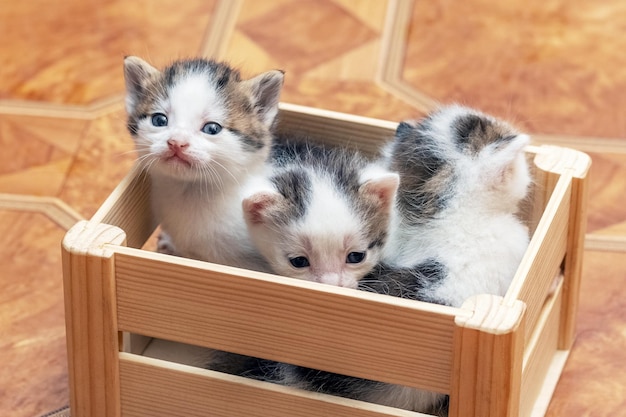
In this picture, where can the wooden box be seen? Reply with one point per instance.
(495, 356)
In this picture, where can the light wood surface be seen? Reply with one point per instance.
(159, 388)
(488, 359)
(92, 335)
(313, 325)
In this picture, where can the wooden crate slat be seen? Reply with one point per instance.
(128, 207)
(334, 128)
(540, 350)
(544, 255)
(315, 325)
(91, 328)
(156, 388)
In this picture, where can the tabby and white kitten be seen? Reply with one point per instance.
(202, 132)
(462, 176)
(322, 214)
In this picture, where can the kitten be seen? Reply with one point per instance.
(201, 132)
(462, 176)
(322, 214)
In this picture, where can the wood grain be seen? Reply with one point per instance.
(93, 340)
(159, 388)
(313, 325)
(489, 347)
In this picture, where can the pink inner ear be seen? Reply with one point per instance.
(383, 188)
(256, 207)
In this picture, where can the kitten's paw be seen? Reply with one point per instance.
(165, 245)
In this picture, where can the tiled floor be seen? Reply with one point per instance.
(555, 68)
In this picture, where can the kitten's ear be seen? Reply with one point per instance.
(136, 71)
(509, 149)
(405, 127)
(380, 185)
(265, 90)
(258, 207)
(508, 163)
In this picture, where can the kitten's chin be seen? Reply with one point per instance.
(176, 168)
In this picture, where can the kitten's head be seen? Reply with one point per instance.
(310, 226)
(197, 120)
(458, 155)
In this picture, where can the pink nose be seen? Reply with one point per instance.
(337, 279)
(176, 145)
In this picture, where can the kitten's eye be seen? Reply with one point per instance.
(355, 257)
(211, 128)
(159, 120)
(299, 262)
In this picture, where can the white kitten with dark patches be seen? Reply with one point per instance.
(322, 214)
(201, 132)
(462, 176)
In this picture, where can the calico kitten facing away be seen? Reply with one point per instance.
(462, 176)
(322, 214)
(201, 132)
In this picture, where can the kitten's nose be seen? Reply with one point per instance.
(337, 279)
(177, 145)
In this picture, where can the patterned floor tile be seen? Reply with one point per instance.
(32, 347)
(591, 383)
(41, 151)
(354, 97)
(89, 42)
(554, 67)
(304, 34)
(105, 155)
(607, 199)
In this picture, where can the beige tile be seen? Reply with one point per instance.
(32, 347)
(592, 382)
(71, 52)
(554, 67)
(305, 34)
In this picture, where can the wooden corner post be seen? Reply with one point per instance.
(91, 319)
(575, 164)
(488, 355)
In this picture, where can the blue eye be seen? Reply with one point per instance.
(355, 257)
(159, 120)
(211, 128)
(299, 262)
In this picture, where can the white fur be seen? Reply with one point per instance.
(477, 236)
(198, 202)
(405, 398)
(217, 158)
(325, 236)
(481, 254)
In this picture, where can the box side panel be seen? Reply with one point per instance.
(334, 128)
(128, 207)
(575, 164)
(488, 356)
(574, 261)
(544, 256)
(156, 388)
(90, 319)
(540, 351)
(319, 326)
